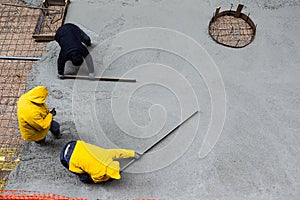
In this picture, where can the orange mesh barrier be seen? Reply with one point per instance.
(30, 195)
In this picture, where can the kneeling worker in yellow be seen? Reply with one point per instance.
(34, 117)
(91, 163)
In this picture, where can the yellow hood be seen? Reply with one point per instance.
(38, 94)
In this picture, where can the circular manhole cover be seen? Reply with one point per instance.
(232, 28)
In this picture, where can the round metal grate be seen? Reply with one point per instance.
(232, 28)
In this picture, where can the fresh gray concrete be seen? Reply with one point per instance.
(255, 157)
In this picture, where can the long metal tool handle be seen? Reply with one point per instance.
(19, 58)
(163, 137)
(115, 79)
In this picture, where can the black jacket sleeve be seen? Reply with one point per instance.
(61, 64)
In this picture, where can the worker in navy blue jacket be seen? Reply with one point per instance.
(70, 38)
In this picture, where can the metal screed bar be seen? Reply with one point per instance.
(163, 137)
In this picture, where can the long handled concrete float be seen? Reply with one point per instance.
(159, 140)
(99, 78)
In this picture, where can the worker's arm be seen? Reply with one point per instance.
(121, 153)
(39, 123)
(90, 65)
(60, 65)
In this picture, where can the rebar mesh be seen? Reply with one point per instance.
(17, 25)
(231, 31)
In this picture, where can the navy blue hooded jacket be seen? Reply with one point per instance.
(70, 38)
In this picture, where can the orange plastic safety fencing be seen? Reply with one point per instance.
(30, 195)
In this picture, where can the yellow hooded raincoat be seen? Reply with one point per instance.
(99, 163)
(33, 114)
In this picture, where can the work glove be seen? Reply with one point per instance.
(53, 112)
(60, 76)
(137, 155)
(91, 76)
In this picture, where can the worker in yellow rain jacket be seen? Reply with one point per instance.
(34, 117)
(91, 163)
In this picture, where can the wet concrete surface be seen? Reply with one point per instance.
(254, 91)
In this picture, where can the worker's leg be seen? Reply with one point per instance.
(42, 141)
(55, 129)
(85, 38)
(85, 178)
